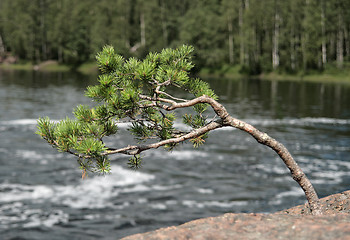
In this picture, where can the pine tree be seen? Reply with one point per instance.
(137, 91)
(203, 26)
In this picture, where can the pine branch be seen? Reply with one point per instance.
(137, 149)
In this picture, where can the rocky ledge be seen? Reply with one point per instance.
(293, 223)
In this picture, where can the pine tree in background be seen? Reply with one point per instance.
(137, 92)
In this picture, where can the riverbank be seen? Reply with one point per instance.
(50, 66)
(330, 75)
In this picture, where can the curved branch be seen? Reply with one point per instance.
(296, 172)
(136, 149)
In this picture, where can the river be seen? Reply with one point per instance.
(42, 195)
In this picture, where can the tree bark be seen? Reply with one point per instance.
(340, 42)
(275, 49)
(323, 26)
(230, 39)
(43, 30)
(226, 120)
(296, 172)
(241, 32)
(2, 47)
(164, 23)
(292, 50)
(347, 42)
(143, 28)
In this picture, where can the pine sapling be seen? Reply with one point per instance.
(137, 91)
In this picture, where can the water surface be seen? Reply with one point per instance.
(42, 195)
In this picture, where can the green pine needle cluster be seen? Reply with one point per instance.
(129, 90)
(135, 162)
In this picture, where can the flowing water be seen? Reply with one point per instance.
(42, 195)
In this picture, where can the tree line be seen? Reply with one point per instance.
(258, 35)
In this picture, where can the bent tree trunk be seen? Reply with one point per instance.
(226, 120)
(296, 172)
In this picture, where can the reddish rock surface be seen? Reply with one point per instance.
(336, 203)
(294, 223)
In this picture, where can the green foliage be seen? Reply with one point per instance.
(196, 121)
(101, 165)
(46, 130)
(132, 91)
(141, 131)
(107, 60)
(198, 141)
(135, 162)
(310, 34)
(84, 114)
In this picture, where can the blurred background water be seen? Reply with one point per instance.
(42, 195)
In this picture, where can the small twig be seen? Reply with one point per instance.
(172, 97)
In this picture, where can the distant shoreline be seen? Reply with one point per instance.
(333, 76)
(320, 78)
(50, 66)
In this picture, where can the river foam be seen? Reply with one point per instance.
(82, 195)
(264, 122)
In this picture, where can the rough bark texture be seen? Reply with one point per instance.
(227, 121)
(275, 48)
(294, 223)
(296, 172)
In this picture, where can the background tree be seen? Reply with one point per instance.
(137, 92)
(111, 14)
(230, 14)
(312, 35)
(204, 29)
(257, 36)
(2, 45)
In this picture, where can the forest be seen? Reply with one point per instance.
(256, 35)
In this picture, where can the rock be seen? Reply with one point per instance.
(256, 226)
(8, 59)
(45, 64)
(336, 203)
(294, 223)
